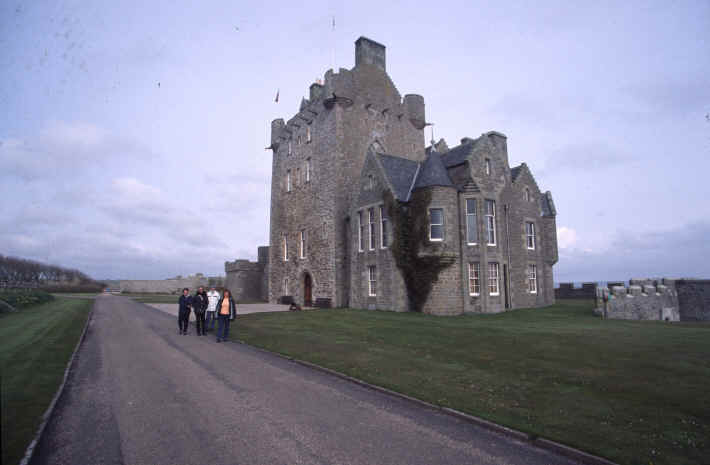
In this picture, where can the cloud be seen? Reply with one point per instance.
(566, 237)
(583, 157)
(678, 252)
(61, 148)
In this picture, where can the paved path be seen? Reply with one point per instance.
(242, 309)
(142, 394)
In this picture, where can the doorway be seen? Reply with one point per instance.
(307, 291)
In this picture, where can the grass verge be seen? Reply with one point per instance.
(35, 346)
(634, 392)
(154, 298)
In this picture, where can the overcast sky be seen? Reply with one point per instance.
(132, 134)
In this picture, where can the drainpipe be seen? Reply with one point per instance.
(507, 244)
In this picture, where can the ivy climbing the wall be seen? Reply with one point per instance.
(410, 228)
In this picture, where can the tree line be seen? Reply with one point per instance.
(20, 272)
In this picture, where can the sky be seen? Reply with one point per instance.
(132, 134)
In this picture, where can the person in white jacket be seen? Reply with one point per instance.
(212, 299)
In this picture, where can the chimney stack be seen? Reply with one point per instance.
(369, 52)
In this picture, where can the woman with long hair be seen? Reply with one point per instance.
(226, 311)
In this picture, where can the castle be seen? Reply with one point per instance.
(364, 215)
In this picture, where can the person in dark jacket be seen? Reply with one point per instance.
(185, 305)
(199, 305)
(226, 311)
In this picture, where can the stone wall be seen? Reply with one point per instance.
(641, 300)
(164, 286)
(248, 281)
(569, 291)
(694, 299)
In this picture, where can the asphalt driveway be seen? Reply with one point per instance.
(140, 393)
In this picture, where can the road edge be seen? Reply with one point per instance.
(534, 440)
(29, 452)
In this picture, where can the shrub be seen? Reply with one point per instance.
(22, 298)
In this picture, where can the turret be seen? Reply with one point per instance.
(414, 110)
(316, 92)
(277, 127)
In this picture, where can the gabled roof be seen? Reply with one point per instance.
(515, 172)
(432, 173)
(400, 172)
(458, 154)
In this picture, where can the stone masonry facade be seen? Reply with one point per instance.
(355, 139)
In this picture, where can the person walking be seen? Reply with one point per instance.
(226, 311)
(185, 304)
(212, 299)
(199, 304)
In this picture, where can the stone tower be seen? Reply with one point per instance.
(318, 156)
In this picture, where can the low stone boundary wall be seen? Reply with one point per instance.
(694, 299)
(641, 300)
(568, 291)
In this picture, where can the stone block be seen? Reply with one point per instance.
(619, 291)
(635, 291)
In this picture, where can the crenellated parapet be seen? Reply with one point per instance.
(642, 299)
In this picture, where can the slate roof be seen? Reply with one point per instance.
(432, 173)
(400, 173)
(514, 172)
(457, 155)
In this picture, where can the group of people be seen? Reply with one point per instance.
(208, 307)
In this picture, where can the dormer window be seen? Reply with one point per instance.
(370, 182)
(527, 194)
(488, 166)
(308, 134)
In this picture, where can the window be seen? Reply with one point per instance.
(384, 228)
(288, 180)
(370, 182)
(302, 251)
(436, 224)
(325, 230)
(360, 232)
(284, 290)
(491, 222)
(532, 279)
(298, 176)
(285, 248)
(308, 134)
(488, 166)
(372, 281)
(527, 194)
(308, 170)
(471, 223)
(493, 279)
(298, 140)
(530, 234)
(474, 278)
(289, 147)
(371, 218)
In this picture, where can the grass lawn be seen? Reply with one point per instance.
(35, 346)
(634, 392)
(154, 298)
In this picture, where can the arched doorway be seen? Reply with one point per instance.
(307, 290)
